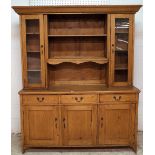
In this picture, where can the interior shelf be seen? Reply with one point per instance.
(117, 50)
(121, 67)
(34, 70)
(33, 51)
(98, 35)
(122, 32)
(55, 61)
(32, 33)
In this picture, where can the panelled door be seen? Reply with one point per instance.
(41, 125)
(116, 124)
(121, 49)
(79, 125)
(33, 51)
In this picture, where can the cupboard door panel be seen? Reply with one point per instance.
(115, 124)
(41, 125)
(33, 51)
(121, 49)
(79, 125)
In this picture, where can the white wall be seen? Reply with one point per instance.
(16, 76)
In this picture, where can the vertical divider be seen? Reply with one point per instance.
(46, 48)
(108, 49)
(42, 50)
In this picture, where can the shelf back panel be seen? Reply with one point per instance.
(76, 24)
(77, 47)
(69, 73)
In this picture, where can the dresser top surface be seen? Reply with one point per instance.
(77, 89)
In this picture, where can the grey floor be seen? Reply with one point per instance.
(16, 149)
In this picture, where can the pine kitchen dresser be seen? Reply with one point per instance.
(77, 71)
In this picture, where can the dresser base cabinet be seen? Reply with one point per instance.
(67, 121)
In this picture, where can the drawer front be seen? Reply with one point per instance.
(40, 99)
(118, 98)
(67, 99)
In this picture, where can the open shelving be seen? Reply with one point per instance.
(77, 49)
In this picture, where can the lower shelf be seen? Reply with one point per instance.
(55, 61)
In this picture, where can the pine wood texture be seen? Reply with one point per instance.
(77, 65)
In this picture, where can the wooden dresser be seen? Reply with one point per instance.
(77, 65)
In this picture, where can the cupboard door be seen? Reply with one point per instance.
(79, 125)
(33, 51)
(41, 125)
(116, 124)
(121, 49)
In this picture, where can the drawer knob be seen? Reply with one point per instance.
(40, 99)
(78, 99)
(117, 98)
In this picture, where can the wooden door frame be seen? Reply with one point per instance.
(64, 110)
(132, 123)
(24, 51)
(26, 127)
(130, 49)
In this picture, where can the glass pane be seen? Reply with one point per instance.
(32, 26)
(121, 75)
(121, 60)
(33, 51)
(33, 61)
(121, 49)
(34, 77)
(122, 25)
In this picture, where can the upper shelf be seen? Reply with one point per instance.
(55, 61)
(32, 33)
(102, 9)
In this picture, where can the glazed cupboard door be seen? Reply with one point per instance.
(79, 125)
(116, 124)
(33, 51)
(41, 125)
(121, 49)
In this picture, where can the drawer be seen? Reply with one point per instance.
(118, 98)
(40, 99)
(67, 99)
